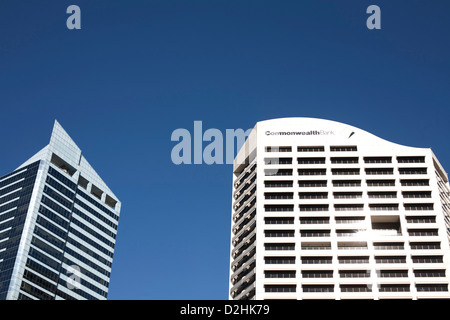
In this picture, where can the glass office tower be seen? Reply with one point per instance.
(58, 226)
(324, 210)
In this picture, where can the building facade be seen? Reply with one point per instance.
(324, 210)
(58, 226)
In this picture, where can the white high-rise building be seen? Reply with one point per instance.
(324, 210)
(58, 226)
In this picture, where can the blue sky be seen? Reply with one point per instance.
(137, 70)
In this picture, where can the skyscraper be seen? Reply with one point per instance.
(58, 226)
(324, 210)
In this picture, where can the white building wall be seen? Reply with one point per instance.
(302, 132)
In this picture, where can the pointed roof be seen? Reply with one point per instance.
(64, 147)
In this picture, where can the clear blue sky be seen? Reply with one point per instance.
(137, 70)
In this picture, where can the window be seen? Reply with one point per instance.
(63, 165)
(347, 233)
(346, 183)
(385, 225)
(429, 273)
(278, 149)
(280, 274)
(83, 182)
(279, 246)
(314, 220)
(355, 288)
(313, 207)
(344, 220)
(314, 233)
(311, 149)
(279, 220)
(412, 170)
(269, 161)
(311, 160)
(312, 183)
(110, 202)
(379, 171)
(425, 245)
(341, 172)
(279, 260)
(353, 259)
(278, 233)
(390, 259)
(317, 274)
(313, 195)
(316, 260)
(348, 207)
(278, 195)
(279, 207)
(278, 172)
(432, 287)
(318, 288)
(394, 288)
(421, 219)
(380, 183)
(393, 273)
(278, 184)
(312, 172)
(316, 245)
(354, 273)
(384, 207)
(347, 195)
(352, 245)
(423, 232)
(342, 160)
(382, 195)
(414, 183)
(418, 206)
(378, 159)
(416, 194)
(389, 245)
(343, 148)
(96, 192)
(411, 159)
(280, 288)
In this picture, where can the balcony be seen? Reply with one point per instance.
(244, 234)
(244, 246)
(243, 284)
(247, 293)
(244, 196)
(385, 226)
(245, 220)
(246, 207)
(246, 184)
(243, 261)
(245, 174)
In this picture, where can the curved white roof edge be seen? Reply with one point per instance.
(305, 131)
(340, 127)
